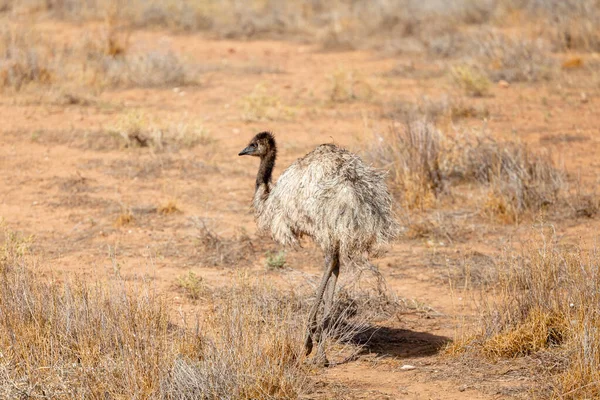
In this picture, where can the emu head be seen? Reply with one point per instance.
(260, 145)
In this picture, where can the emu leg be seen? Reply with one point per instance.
(312, 315)
(329, 296)
(328, 309)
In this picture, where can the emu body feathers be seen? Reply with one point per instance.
(331, 196)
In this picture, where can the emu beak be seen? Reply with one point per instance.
(247, 150)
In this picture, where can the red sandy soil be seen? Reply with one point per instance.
(63, 182)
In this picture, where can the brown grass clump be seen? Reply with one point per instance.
(216, 250)
(412, 154)
(170, 207)
(65, 339)
(568, 24)
(517, 180)
(254, 350)
(471, 80)
(538, 331)
(547, 300)
(125, 218)
(24, 59)
(348, 86)
(516, 60)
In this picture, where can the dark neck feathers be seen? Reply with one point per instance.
(265, 170)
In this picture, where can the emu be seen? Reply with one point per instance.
(331, 196)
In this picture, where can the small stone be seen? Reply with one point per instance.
(407, 367)
(503, 84)
(584, 98)
(462, 388)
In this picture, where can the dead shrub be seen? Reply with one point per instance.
(547, 300)
(155, 68)
(64, 339)
(471, 79)
(424, 163)
(517, 180)
(568, 24)
(254, 350)
(516, 59)
(412, 153)
(216, 250)
(24, 59)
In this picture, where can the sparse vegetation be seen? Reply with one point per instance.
(122, 341)
(275, 260)
(191, 284)
(471, 80)
(260, 105)
(215, 249)
(101, 59)
(138, 129)
(170, 207)
(412, 153)
(348, 86)
(424, 163)
(517, 180)
(546, 300)
(516, 60)
(21, 61)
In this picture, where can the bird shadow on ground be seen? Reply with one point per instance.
(396, 342)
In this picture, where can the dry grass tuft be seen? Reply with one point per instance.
(547, 300)
(568, 24)
(254, 350)
(516, 60)
(65, 339)
(125, 218)
(412, 152)
(216, 250)
(348, 86)
(424, 163)
(260, 105)
(473, 81)
(24, 59)
(170, 207)
(191, 284)
(137, 129)
(538, 331)
(517, 180)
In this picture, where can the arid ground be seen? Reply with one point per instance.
(137, 179)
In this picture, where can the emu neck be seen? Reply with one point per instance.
(265, 171)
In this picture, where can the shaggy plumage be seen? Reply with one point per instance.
(330, 195)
